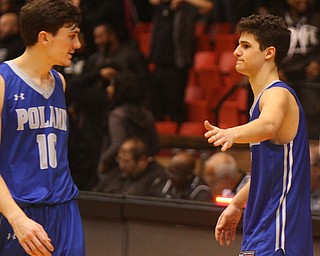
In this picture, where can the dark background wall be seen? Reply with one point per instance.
(132, 226)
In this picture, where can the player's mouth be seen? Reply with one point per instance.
(70, 55)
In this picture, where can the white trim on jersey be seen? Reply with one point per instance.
(287, 182)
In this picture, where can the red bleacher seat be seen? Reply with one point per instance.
(166, 127)
(191, 129)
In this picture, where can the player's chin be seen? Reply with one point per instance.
(240, 70)
(66, 63)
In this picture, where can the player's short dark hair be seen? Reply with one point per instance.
(47, 15)
(268, 30)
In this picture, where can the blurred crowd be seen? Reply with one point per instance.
(116, 92)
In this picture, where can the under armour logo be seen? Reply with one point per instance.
(11, 236)
(21, 96)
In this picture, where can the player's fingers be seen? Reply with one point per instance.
(219, 142)
(225, 146)
(207, 125)
(27, 248)
(44, 242)
(31, 248)
(233, 235)
(41, 249)
(38, 247)
(217, 234)
(227, 237)
(44, 246)
(209, 134)
(222, 237)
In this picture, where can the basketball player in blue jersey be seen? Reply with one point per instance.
(277, 216)
(39, 214)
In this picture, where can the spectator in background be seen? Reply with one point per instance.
(172, 50)
(223, 176)
(96, 12)
(127, 118)
(302, 63)
(86, 92)
(182, 182)
(138, 173)
(315, 177)
(11, 45)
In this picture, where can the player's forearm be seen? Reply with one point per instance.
(8, 206)
(240, 199)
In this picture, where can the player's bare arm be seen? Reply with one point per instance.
(276, 122)
(30, 234)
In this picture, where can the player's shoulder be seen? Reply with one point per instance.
(275, 93)
(278, 89)
(276, 96)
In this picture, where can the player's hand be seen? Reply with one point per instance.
(225, 231)
(219, 137)
(32, 237)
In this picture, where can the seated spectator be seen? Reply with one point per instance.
(315, 177)
(302, 63)
(138, 173)
(11, 45)
(223, 176)
(182, 183)
(127, 118)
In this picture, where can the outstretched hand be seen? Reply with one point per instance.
(32, 237)
(218, 137)
(225, 231)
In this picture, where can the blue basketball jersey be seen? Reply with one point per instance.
(277, 215)
(33, 153)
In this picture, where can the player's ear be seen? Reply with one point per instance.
(43, 37)
(270, 52)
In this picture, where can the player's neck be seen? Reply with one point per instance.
(34, 65)
(37, 71)
(263, 79)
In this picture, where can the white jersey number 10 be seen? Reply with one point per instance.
(47, 150)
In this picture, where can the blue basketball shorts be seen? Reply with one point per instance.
(62, 222)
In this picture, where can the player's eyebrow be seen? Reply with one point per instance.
(244, 42)
(74, 30)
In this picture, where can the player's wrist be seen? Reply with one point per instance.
(14, 216)
(238, 204)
